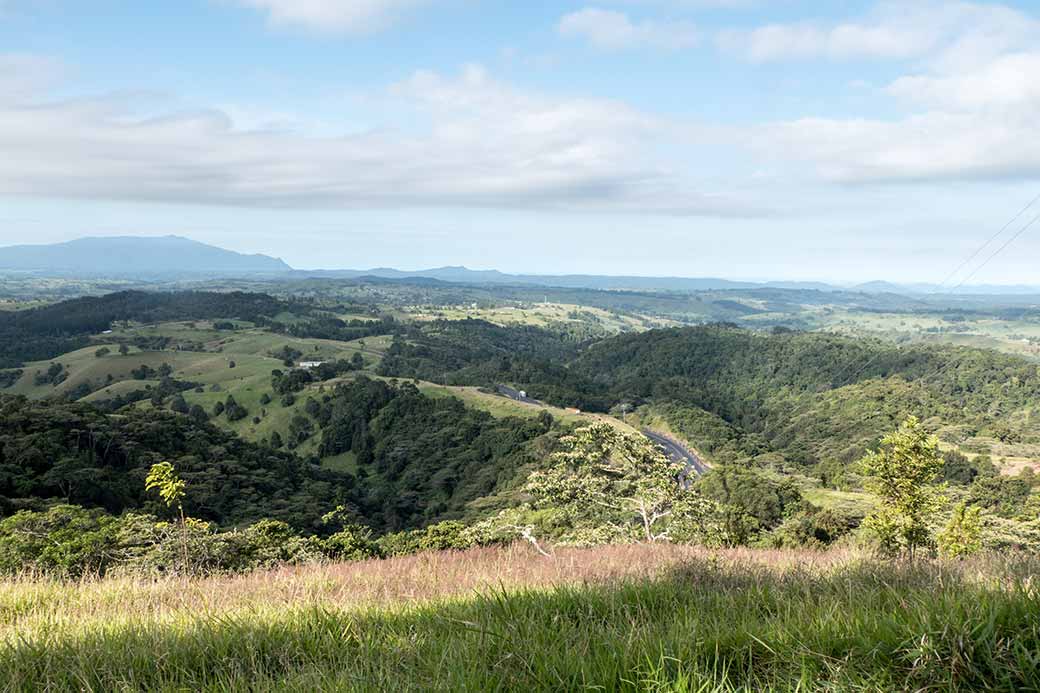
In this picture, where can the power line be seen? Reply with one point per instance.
(1011, 240)
(982, 247)
(839, 379)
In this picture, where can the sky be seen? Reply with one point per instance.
(748, 139)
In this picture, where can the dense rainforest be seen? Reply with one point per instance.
(818, 397)
(812, 397)
(419, 460)
(476, 352)
(73, 453)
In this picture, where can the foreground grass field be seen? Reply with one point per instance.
(615, 618)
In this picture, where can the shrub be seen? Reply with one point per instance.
(759, 496)
(441, 536)
(1002, 495)
(66, 541)
(234, 410)
(962, 535)
(352, 543)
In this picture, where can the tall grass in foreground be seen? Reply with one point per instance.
(613, 618)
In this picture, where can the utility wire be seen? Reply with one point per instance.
(982, 247)
(839, 380)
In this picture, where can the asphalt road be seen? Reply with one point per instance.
(509, 392)
(677, 452)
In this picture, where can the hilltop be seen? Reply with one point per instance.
(132, 256)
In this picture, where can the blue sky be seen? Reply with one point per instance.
(779, 139)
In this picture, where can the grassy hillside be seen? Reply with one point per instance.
(621, 618)
(249, 348)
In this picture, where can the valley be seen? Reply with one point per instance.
(357, 426)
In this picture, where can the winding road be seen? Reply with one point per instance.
(517, 395)
(677, 452)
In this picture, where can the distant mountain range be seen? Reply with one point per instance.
(174, 256)
(463, 275)
(136, 257)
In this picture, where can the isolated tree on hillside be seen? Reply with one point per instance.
(179, 405)
(198, 414)
(903, 474)
(163, 479)
(613, 486)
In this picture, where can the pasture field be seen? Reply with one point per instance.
(500, 406)
(541, 315)
(249, 349)
(1017, 337)
(619, 618)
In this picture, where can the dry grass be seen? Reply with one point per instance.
(626, 618)
(30, 605)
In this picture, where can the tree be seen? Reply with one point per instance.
(102, 352)
(171, 488)
(233, 410)
(198, 414)
(903, 474)
(962, 535)
(179, 404)
(609, 485)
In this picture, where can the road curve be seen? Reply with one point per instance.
(517, 395)
(677, 452)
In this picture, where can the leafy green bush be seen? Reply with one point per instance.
(1005, 496)
(962, 535)
(763, 498)
(813, 528)
(441, 536)
(66, 541)
(352, 543)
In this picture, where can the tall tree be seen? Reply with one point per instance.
(903, 474)
(609, 485)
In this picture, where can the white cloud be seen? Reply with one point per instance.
(23, 74)
(1007, 81)
(480, 143)
(691, 4)
(933, 146)
(333, 16)
(971, 102)
(800, 41)
(952, 32)
(612, 30)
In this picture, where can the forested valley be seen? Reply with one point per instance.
(397, 428)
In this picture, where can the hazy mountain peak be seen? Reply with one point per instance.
(136, 256)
